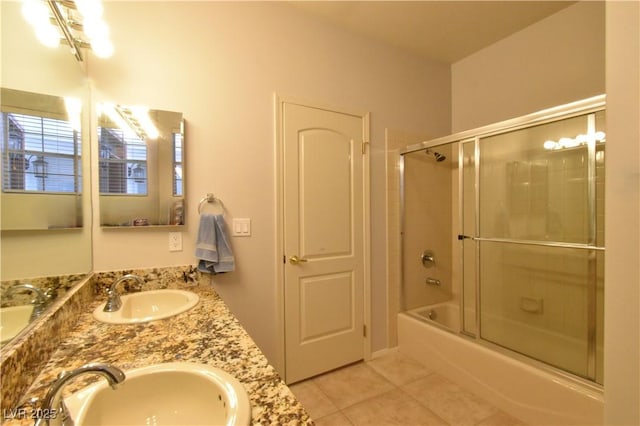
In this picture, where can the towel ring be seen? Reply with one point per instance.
(209, 198)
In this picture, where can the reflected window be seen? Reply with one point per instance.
(123, 163)
(40, 155)
(177, 164)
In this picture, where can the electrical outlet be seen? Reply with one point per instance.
(175, 241)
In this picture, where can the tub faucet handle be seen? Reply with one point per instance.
(427, 259)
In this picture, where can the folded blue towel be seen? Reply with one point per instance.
(212, 246)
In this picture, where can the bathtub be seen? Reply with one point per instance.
(445, 314)
(534, 395)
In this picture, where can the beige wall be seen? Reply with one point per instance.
(40, 211)
(622, 239)
(555, 61)
(220, 64)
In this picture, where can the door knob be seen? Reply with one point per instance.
(295, 260)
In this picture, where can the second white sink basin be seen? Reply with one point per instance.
(12, 320)
(164, 394)
(148, 306)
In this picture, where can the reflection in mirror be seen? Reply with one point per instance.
(44, 169)
(41, 161)
(140, 166)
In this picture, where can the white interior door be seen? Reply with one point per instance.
(324, 234)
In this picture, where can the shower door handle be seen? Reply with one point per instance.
(294, 260)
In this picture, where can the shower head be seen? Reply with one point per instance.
(436, 155)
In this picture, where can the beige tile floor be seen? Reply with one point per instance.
(393, 390)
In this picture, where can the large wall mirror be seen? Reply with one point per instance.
(141, 166)
(45, 203)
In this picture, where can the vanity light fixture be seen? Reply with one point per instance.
(78, 23)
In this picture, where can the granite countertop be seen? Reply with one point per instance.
(207, 334)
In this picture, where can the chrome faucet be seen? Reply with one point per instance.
(39, 302)
(113, 298)
(52, 403)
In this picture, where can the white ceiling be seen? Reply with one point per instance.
(444, 31)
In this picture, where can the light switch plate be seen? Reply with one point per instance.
(241, 227)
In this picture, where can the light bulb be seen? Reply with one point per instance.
(90, 9)
(549, 145)
(48, 35)
(582, 139)
(35, 12)
(96, 29)
(568, 143)
(102, 48)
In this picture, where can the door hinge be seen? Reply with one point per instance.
(364, 330)
(364, 147)
(284, 258)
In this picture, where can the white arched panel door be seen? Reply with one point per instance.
(324, 216)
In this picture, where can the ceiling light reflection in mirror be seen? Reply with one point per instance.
(133, 120)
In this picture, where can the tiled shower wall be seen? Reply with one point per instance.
(428, 226)
(424, 236)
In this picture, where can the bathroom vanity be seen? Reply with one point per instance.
(207, 334)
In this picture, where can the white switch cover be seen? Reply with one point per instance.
(241, 227)
(175, 241)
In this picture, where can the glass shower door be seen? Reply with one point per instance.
(539, 257)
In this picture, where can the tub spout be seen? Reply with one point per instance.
(433, 281)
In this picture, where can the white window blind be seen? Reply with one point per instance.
(177, 164)
(123, 163)
(40, 154)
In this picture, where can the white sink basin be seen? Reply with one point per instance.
(164, 394)
(148, 306)
(13, 320)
